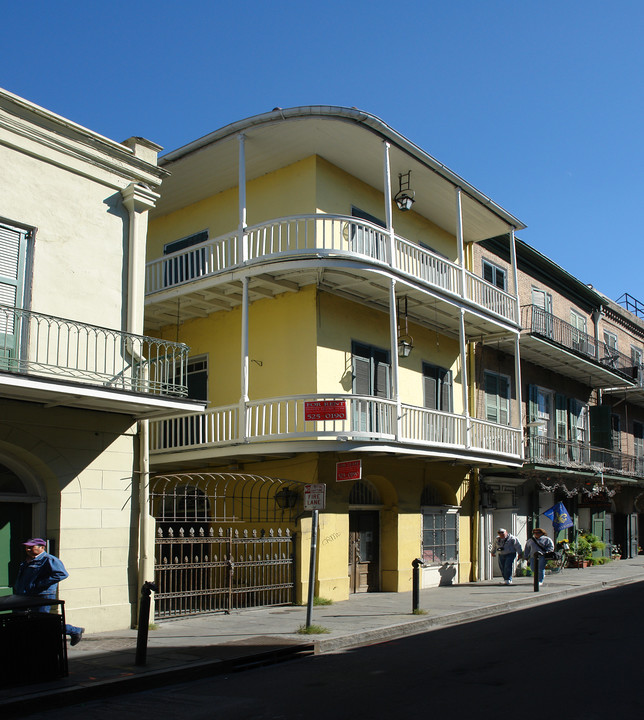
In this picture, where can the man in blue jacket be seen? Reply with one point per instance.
(39, 575)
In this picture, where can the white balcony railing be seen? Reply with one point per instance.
(36, 344)
(325, 235)
(367, 419)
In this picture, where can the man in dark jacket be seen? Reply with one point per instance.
(39, 575)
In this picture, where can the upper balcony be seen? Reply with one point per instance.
(549, 341)
(283, 425)
(58, 361)
(582, 457)
(343, 255)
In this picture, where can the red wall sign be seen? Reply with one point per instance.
(349, 470)
(325, 410)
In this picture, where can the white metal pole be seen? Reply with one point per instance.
(243, 403)
(466, 398)
(515, 275)
(243, 240)
(388, 214)
(517, 373)
(393, 341)
(459, 239)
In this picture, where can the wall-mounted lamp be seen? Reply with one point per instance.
(405, 340)
(286, 498)
(404, 198)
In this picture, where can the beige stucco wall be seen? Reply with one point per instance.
(83, 464)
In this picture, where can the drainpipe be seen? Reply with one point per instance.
(138, 199)
(596, 315)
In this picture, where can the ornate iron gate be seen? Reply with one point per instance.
(202, 566)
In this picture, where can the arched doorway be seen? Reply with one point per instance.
(224, 541)
(17, 500)
(364, 537)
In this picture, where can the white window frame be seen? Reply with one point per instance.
(496, 270)
(506, 400)
(428, 553)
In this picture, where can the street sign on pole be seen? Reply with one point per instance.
(315, 496)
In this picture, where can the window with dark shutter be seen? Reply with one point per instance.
(437, 388)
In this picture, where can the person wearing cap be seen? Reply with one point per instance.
(538, 543)
(39, 575)
(507, 547)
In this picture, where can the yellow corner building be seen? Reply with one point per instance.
(318, 264)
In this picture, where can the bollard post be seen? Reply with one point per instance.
(537, 561)
(144, 622)
(415, 592)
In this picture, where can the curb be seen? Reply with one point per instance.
(427, 624)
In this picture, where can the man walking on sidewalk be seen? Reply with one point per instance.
(39, 576)
(508, 548)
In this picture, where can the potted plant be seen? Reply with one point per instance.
(581, 552)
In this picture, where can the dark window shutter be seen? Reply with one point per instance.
(600, 426)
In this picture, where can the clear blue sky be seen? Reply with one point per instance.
(538, 103)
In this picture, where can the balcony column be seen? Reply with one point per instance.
(393, 332)
(243, 238)
(388, 215)
(243, 402)
(464, 382)
(515, 276)
(459, 238)
(517, 375)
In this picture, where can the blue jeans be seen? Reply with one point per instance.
(542, 566)
(505, 564)
(69, 629)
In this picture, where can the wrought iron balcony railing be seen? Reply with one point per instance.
(581, 456)
(538, 322)
(43, 345)
(367, 419)
(326, 236)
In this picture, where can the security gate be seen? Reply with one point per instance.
(206, 564)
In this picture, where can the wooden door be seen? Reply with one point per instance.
(364, 551)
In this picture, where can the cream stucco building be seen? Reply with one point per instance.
(78, 379)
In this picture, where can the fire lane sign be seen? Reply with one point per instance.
(325, 410)
(349, 470)
(315, 496)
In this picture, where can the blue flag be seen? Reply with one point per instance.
(559, 516)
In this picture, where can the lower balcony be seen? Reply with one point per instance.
(582, 457)
(345, 420)
(58, 361)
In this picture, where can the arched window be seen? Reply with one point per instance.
(364, 493)
(10, 483)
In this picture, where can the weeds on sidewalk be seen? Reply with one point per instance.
(419, 611)
(322, 601)
(312, 630)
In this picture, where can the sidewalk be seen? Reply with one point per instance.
(103, 663)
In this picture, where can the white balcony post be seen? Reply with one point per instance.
(243, 402)
(243, 238)
(388, 215)
(515, 275)
(464, 379)
(393, 332)
(517, 374)
(459, 239)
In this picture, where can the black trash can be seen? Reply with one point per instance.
(32, 643)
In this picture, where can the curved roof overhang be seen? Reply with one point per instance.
(346, 137)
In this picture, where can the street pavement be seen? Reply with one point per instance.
(103, 664)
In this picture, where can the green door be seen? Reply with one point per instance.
(15, 528)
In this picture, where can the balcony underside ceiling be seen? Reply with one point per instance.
(353, 143)
(634, 395)
(566, 363)
(217, 457)
(353, 281)
(54, 393)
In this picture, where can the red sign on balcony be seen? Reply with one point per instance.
(325, 410)
(349, 470)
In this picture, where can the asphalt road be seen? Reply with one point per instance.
(574, 659)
